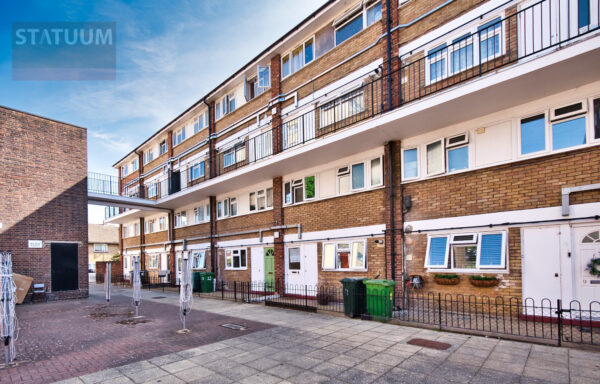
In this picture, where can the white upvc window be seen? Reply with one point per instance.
(152, 261)
(201, 122)
(234, 155)
(298, 57)
(199, 214)
(126, 231)
(152, 190)
(261, 199)
(447, 155)
(198, 259)
(136, 229)
(217, 110)
(227, 207)
(149, 226)
(101, 247)
(181, 219)
(148, 156)
(299, 190)
(163, 147)
(410, 163)
(196, 171)
(162, 223)
(345, 255)
(178, 136)
(358, 176)
(356, 20)
(235, 259)
(135, 164)
(125, 170)
(232, 206)
(344, 107)
(467, 252)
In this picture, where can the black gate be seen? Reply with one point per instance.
(63, 266)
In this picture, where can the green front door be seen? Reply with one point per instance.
(269, 269)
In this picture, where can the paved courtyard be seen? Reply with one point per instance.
(283, 346)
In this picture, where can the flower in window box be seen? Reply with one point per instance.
(484, 281)
(444, 279)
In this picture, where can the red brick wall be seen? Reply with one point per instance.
(43, 193)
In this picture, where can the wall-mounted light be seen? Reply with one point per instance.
(379, 241)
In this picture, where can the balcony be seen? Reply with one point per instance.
(524, 55)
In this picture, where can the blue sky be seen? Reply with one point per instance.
(169, 54)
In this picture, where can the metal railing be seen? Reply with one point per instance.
(519, 34)
(104, 184)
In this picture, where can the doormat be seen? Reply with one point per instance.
(429, 344)
(235, 327)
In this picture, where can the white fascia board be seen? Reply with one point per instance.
(155, 250)
(191, 159)
(498, 218)
(377, 230)
(242, 243)
(191, 247)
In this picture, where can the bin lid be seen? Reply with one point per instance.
(353, 279)
(386, 283)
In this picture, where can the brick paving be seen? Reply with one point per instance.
(304, 347)
(59, 340)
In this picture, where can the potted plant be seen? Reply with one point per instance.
(444, 279)
(484, 281)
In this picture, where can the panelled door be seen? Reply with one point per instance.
(587, 248)
(269, 269)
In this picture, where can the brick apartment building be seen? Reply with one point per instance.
(389, 138)
(103, 243)
(43, 207)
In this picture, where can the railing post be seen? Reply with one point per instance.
(306, 296)
(234, 290)
(248, 291)
(440, 310)
(222, 290)
(559, 313)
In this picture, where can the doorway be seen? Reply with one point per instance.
(269, 269)
(301, 269)
(64, 266)
(587, 248)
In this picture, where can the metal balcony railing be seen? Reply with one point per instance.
(103, 184)
(435, 66)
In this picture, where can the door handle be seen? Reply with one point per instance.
(556, 275)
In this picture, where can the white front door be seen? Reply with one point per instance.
(541, 267)
(178, 266)
(257, 265)
(301, 269)
(586, 285)
(126, 266)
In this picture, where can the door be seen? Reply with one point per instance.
(587, 248)
(541, 268)
(178, 267)
(63, 266)
(301, 270)
(269, 269)
(164, 264)
(257, 268)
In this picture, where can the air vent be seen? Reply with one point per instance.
(464, 239)
(457, 140)
(568, 111)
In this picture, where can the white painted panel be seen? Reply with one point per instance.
(310, 267)
(257, 264)
(541, 261)
(494, 144)
(327, 183)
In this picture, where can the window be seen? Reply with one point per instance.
(349, 29)
(437, 63)
(218, 110)
(358, 176)
(197, 171)
(178, 136)
(126, 231)
(198, 259)
(103, 248)
(152, 261)
(435, 158)
(461, 56)
(152, 190)
(597, 118)
(533, 134)
(230, 103)
(568, 133)
(125, 170)
(199, 214)
(261, 199)
(163, 147)
(234, 155)
(135, 165)
(269, 197)
(219, 209)
(181, 219)
(583, 14)
(233, 206)
(201, 122)
(376, 172)
(227, 207)
(235, 259)
(297, 58)
(148, 156)
(489, 39)
(162, 224)
(264, 78)
(458, 158)
(296, 191)
(293, 259)
(345, 255)
(342, 108)
(467, 251)
(136, 229)
(149, 224)
(343, 180)
(374, 13)
(354, 23)
(410, 160)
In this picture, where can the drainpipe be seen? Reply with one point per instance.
(388, 26)
(392, 212)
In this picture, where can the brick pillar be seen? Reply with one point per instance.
(173, 275)
(278, 219)
(142, 241)
(213, 239)
(212, 152)
(393, 238)
(275, 92)
(390, 68)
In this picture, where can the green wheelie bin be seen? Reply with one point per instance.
(380, 298)
(355, 303)
(196, 281)
(206, 281)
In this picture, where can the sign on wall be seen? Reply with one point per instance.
(35, 243)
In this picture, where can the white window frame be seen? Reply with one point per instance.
(288, 54)
(163, 147)
(296, 183)
(547, 140)
(233, 203)
(179, 136)
(196, 258)
(162, 223)
(351, 16)
(261, 193)
(370, 171)
(124, 170)
(180, 217)
(443, 142)
(230, 254)
(447, 158)
(427, 262)
(148, 156)
(152, 190)
(102, 249)
(550, 133)
(503, 251)
(201, 169)
(197, 219)
(136, 229)
(149, 226)
(153, 260)
(335, 251)
(352, 189)
(135, 165)
(344, 174)
(418, 163)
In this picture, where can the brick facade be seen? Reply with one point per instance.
(48, 202)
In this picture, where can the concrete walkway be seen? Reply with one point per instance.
(319, 348)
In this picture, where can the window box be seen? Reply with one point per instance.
(446, 279)
(484, 281)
